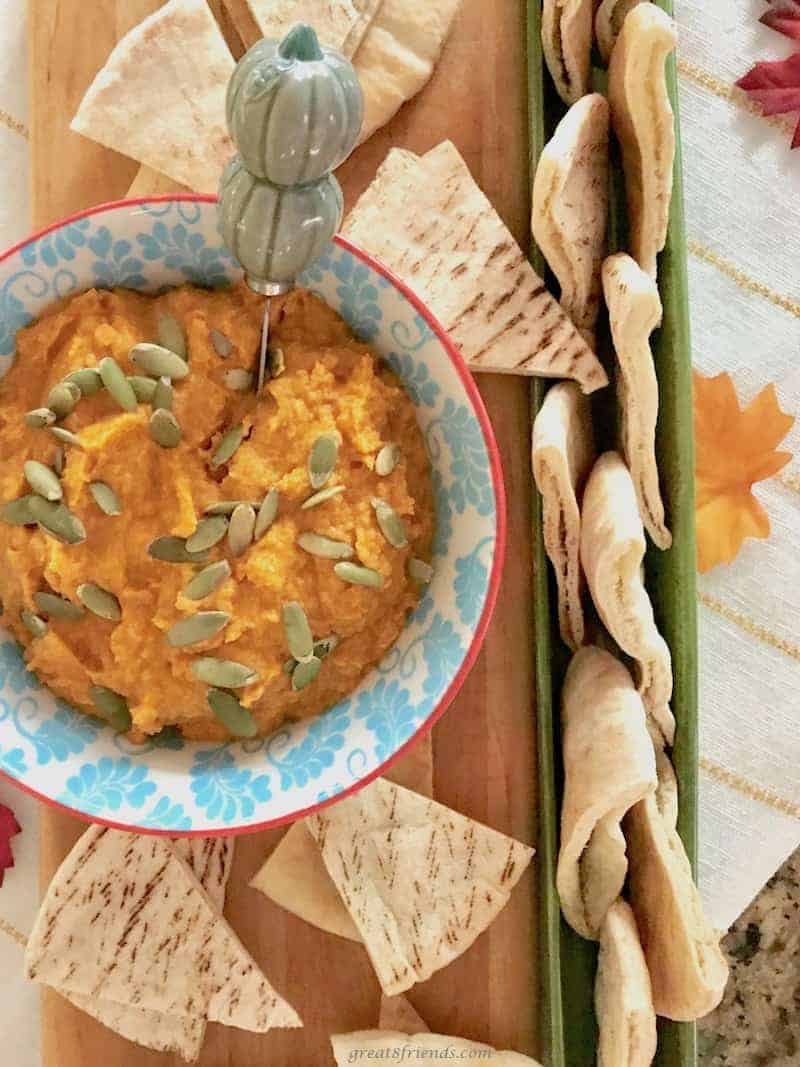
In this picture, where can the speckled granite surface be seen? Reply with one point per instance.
(758, 1022)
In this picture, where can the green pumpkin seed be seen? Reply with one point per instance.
(43, 480)
(223, 507)
(171, 335)
(35, 624)
(266, 513)
(390, 523)
(238, 379)
(228, 444)
(277, 362)
(57, 520)
(170, 549)
(159, 362)
(105, 498)
(62, 398)
(420, 571)
(208, 533)
(325, 645)
(222, 344)
(143, 388)
(196, 628)
(58, 461)
(241, 529)
(99, 601)
(317, 545)
(355, 574)
(208, 580)
(164, 428)
(387, 459)
(18, 512)
(289, 666)
(57, 607)
(323, 457)
(66, 436)
(87, 379)
(305, 673)
(298, 633)
(162, 395)
(236, 719)
(224, 673)
(113, 707)
(40, 417)
(116, 382)
(319, 498)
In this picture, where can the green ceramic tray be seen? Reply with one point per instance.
(567, 962)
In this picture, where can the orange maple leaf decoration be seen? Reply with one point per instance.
(735, 448)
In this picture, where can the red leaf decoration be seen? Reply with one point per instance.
(783, 16)
(775, 87)
(9, 827)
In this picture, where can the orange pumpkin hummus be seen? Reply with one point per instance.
(331, 384)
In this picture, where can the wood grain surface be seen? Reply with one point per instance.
(484, 746)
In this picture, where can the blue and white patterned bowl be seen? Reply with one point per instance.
(178, 787)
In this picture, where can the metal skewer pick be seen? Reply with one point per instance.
(268, 290)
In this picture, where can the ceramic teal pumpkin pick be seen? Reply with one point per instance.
(294, 111)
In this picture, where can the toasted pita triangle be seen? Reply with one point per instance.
(160, 98)
(608, 766)
(623, 997)
(146, 934)
(562, 456)
(406, 1048)
(294, 875)
(398, 1014)
(608, 23)
(567, 44)
(645, 127)
(687, 969)
(420, 881)
(634, 310)
(612, 551)
(339, 24)
(430, 223)
(570, 207)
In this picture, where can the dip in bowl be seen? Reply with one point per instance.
(385, 679)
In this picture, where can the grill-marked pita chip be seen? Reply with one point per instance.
(339, 24)
(210, 860)
(125, 919)
(641, 115)
(608, 767)
(623, 998)
(687, 969)
(570, 207)
(407, 1048)
(562, 455)
(567, 43)
(398, 1014)
(160, 98)
(420, 881)
(294, 875)
(612, 551)
(634, 311)
(428, 221)
(608, 22)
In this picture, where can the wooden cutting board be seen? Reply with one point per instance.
(484, 746)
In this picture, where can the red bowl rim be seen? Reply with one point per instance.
(498, 487)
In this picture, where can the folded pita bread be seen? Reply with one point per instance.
(562, 456)
(687, 969)
(608, 23)
(612, 551)
(145, 933)
(642, 117)
(398, 1014)
(428, 221)
(295, 877)
(210, 860)
(634, 311)
(420, 881)
(570, 207)
(609, 765)
(623, 999)
(160, 98)
(567, 42)
(339, 24)
(406, 1048)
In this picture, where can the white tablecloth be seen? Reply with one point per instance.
(742, 192)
